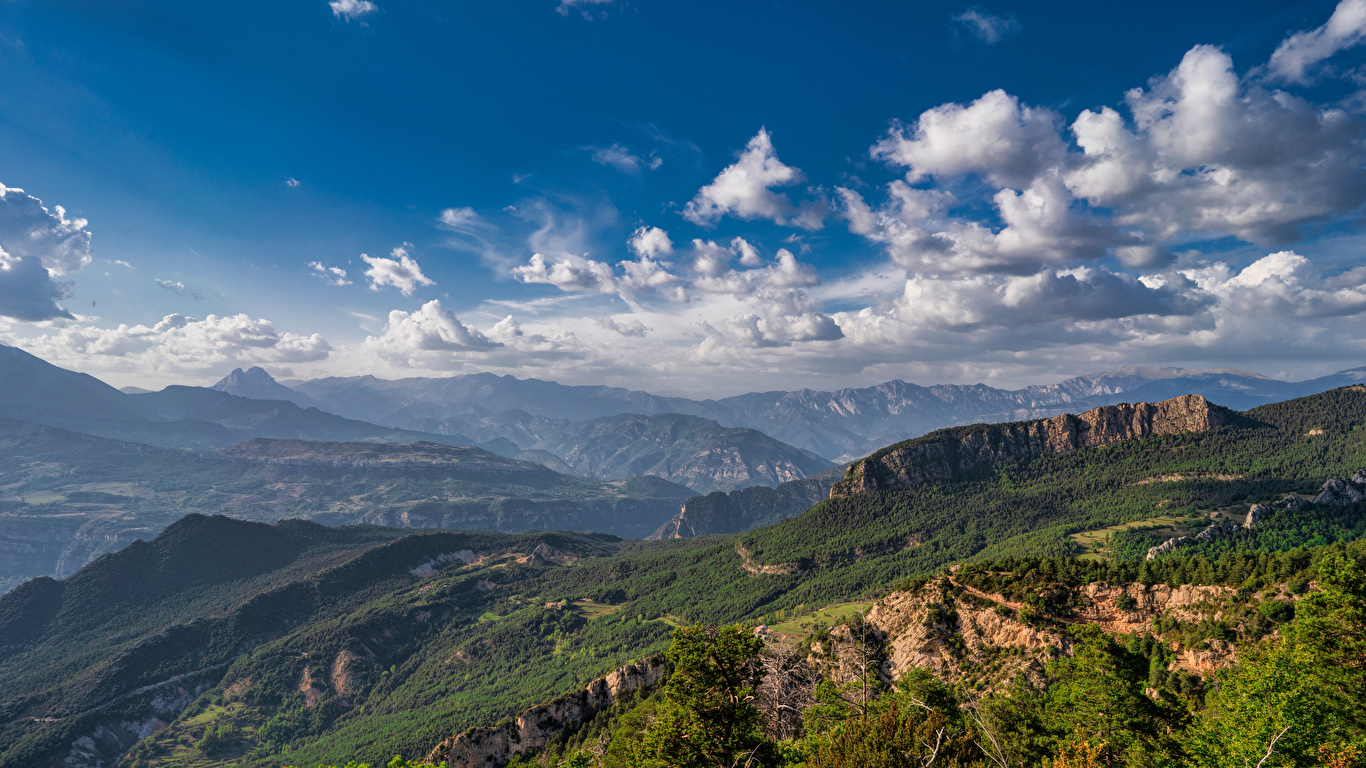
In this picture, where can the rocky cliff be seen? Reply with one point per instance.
(481, 747)
(962, 634)
(952, 453)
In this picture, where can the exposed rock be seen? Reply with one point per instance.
(1340, 492)
(1255, 514)
(754, 569)
(1291, 502)
(492, 747)
(1215, 531)
(945, 455)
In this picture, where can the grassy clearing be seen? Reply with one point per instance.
(830, 615)
(1092, 543)
(593, 610)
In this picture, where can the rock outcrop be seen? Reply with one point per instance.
(1341, 492)
(496, 746)
(1214, 531)
(1255, 514)
(952, 453)
(962, 635)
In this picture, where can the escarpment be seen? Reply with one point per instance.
(536, 726)
(952, 453)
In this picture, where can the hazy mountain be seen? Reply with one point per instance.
(838, 425)
(36, 391)
(256, 384)
(696, 452)
(66, 498)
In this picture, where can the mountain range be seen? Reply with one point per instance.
(839, 426)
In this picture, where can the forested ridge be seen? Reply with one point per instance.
(350, 643)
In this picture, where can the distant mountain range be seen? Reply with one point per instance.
(840, 426)
(688, 450)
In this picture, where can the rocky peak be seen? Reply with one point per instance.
(944, 455)
(1341, 492)
(256, 384)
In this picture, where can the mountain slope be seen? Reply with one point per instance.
(689, 450)
(397, 657)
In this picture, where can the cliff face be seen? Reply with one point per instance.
(945, 455)
(481, 747)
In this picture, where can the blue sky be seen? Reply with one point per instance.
(702, 197)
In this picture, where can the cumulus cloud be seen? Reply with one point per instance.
(624, 160)
(987, 28)
(651, 242)
(330, 275)
(744, 189)
(629, 328)
(1297, 55)
(179, 345)
(996, 136)
(292, 183)
(401, 271)
(429, 329)
(352, 10)
(568, 273)
(174, 286)
(1213, 154)
(27, 292)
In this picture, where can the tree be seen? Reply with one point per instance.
(1297, 702)
(1096, 698)
(707, 718)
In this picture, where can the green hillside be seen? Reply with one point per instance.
(395, 649)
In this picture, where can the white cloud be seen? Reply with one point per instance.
(429, 329)
(624, 160)
(986, 27)
(37, 245)
(292, 183)
(174, 286)
(1297, 55)
(27, 291)
(123, 263)
(569, 273)
(331, 275)
(400, 271)
(459, 219)
(1009, 144)
(583, 6)
(651, 242)
(744, 189)
(1212, 154)
(176, 345)
(352, 10)
(629, 328)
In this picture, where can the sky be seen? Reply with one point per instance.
(699, 198)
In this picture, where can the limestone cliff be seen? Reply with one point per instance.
(481, 747)
(952, 453)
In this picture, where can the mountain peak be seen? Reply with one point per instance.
(256, 384)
